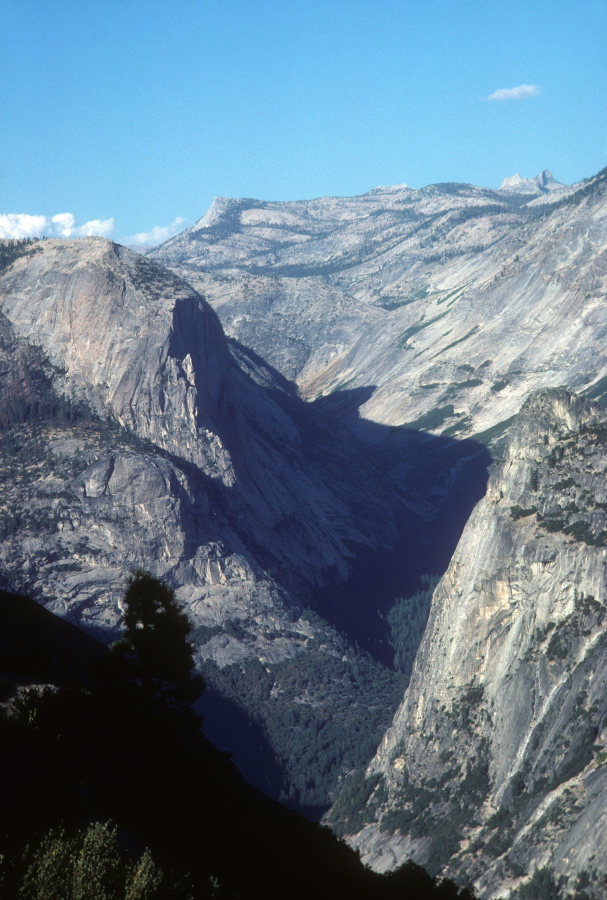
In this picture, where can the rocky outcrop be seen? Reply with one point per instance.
(410, 320)
(544, 183)
(495, 764)
(132, 434)
(131, 340)
(141, 348)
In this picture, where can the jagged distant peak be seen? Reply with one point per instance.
(541, 184)
(512, 182)
(217, 211)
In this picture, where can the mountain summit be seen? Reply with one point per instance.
(544, 183)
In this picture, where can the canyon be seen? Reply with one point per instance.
(290, 412)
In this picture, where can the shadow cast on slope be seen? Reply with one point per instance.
(436, 482)
(229, 727)
(417, 487)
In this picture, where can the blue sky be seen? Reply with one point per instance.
(121, 116)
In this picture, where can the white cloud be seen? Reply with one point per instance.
(99, 227)
(522, 92)
(157, 235)
(64, 224)
(22, 225)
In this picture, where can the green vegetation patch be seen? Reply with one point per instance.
(454, 294)
(414, 329)
(351, 811)
(542, 886)
(581, 531)
(88, 862)
(564, 484)
(517, 512)
(407, 622)
(394, 301)
(457, 386)
(322, 714)
(459, 341)
(578, 515)
(440, 809)
(412, 814)
(12, 250)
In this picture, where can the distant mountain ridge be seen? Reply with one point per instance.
(446, 305)
(544, 183)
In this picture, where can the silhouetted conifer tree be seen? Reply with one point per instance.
(154, 656)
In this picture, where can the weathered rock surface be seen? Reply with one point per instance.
(440, 311)
(417, 323)
(439, 308)
(495, 764)
(133, 436)
(143, 349)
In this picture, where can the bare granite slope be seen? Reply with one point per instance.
(131, 434)
(142, 348)
(447, 305)
(494, 766)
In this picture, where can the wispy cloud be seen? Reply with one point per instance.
(522, 92)
(157, 235)
(22, 225)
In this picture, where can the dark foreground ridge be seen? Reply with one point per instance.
(82, 754)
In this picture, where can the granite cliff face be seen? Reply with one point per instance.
(141, 349)
(494, 766)
(441, 311)
(133, 435)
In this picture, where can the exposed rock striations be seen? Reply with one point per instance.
(418, 323)
(494, 766)
(438, 309)
(133, 436)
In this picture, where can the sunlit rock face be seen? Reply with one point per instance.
(144, 351)
(544, 183)
(133, 435)
(325, 455)
(440, 308)
(130, 339)
(495, 764)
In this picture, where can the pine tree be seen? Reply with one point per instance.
(154, 655)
